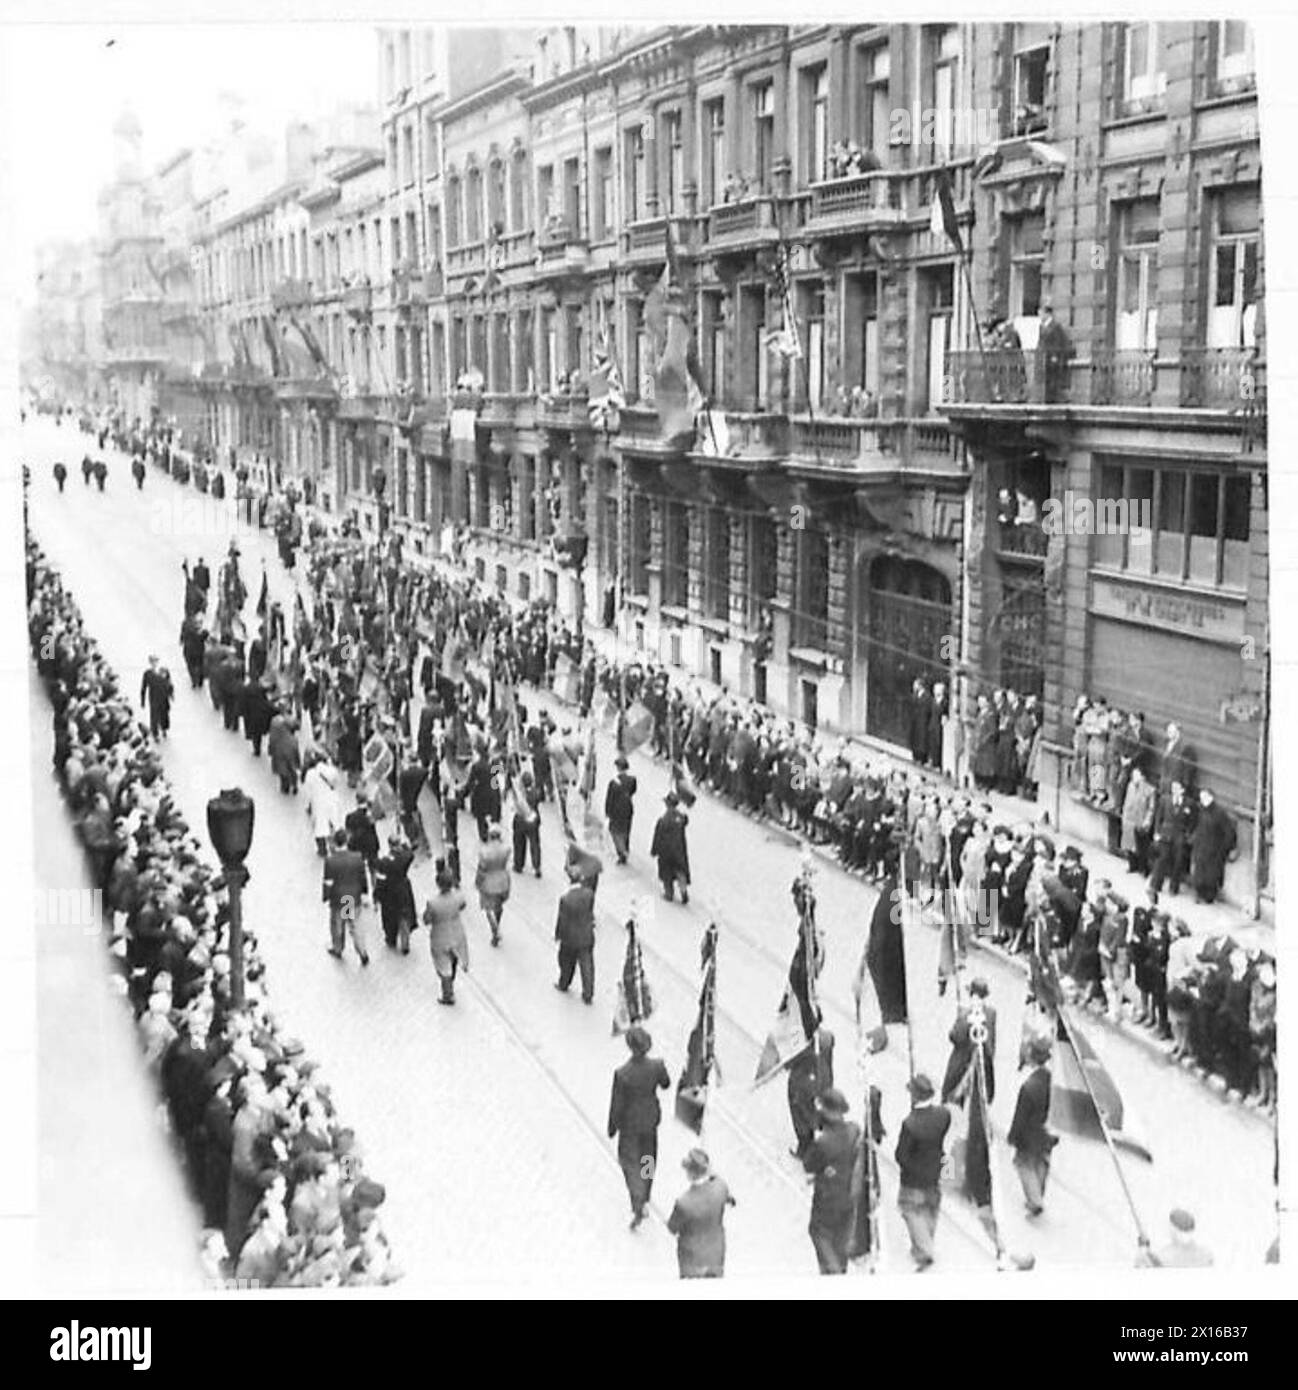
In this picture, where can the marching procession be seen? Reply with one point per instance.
(430, 730)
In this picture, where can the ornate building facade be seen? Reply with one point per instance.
(867, 224)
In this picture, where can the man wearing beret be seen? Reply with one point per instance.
(633, 1118)
(698, 1220)
(1031, 1141)
(831, 1159)
(919, 1156)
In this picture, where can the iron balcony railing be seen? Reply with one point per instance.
(1223, 379)
(1008, 376)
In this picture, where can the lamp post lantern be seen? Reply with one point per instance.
(230, 818)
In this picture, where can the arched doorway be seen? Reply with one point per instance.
(908, 614)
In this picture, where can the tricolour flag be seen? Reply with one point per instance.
(943, 219)
(799, 1014)
(1084, 1100)
(880, 984)
(634, 998)
(701, 1054)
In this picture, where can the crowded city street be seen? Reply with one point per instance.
(487, 1122)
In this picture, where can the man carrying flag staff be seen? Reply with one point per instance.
(831, 1160)
(919, 1156)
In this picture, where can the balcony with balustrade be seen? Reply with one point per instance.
(507, 410)
(1121, 377)
(561, 247)
(564, 412)
(645, 241)
(1231, 379)
(1010, 377)
(467, 259)
(290, 294)
(358, 299)
(835, 445)
(749, 222)
(409, 287)
(870, 202)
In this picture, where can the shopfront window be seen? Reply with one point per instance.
(1179, 524)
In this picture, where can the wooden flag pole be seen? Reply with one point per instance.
(905, 905)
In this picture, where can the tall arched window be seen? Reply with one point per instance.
(453, 201)
(473, 206)
(518, 191)
(495, 197)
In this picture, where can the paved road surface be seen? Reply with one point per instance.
(506, 1094)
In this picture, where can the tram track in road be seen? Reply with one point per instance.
(756, 1146)
(142, 597)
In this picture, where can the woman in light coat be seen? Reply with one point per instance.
(492, 880)
(1137, 821)
(322, 803)
(446, 938)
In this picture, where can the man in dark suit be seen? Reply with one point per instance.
(670, 850)
(575, 933)
(362, 833)
(811, 1074)
(346, 884)
(156, 687)
(634, 1115)
(698, 1220)
(959, 1068)
(831, 1158)
(619, 808)
(1028, 1136)
(527, 823)
(919, 1156)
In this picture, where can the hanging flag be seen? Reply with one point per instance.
(799, 1014)
(307, 334)
(273, 346)
(263, 599)
(943, 219)
(636, 729)
(634, 998)
(678, 396)
(683, 786)
(604, 711)
(1084, 1101)
(586, 779)
(880, 984)
(701, 1053)
(655, 309)
(604, 387)
(714, 434)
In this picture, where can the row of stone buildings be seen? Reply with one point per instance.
(865, 514)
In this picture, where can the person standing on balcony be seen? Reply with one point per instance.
(1055, 348)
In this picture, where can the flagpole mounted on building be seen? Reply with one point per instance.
(946, 220)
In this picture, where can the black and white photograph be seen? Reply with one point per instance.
(648, 655)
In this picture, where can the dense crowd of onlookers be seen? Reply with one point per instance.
(279, 1177)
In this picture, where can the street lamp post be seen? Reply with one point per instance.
(230, 819)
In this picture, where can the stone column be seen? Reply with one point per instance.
(840, 564)
(656, 557)
(695, 558)
(742, 604)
